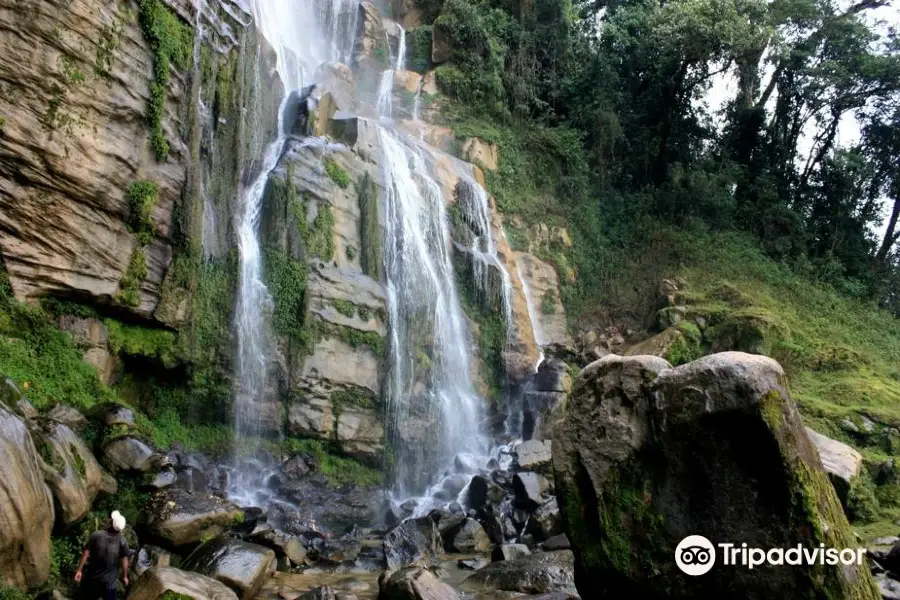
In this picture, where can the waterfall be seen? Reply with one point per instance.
(433, 410)
(430, 384)
(298, 32)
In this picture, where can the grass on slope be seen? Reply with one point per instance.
(47, 365)
(842, 355)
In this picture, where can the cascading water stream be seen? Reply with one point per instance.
(295, 31)
(434, 412)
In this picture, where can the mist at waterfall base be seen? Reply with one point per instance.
(433, 415)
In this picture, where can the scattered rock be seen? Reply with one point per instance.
(283, 544)
(191, 479)
(180, 517)
(128, 454)
(471, 538)
(483, 491)
(889, 588)
(534, 455)
(557, 542)
(26, 506)
(413, 542)
(509, 552)
(414, 584)
(545, 522)
(472, 564)
(542, 573)
(113, 414)
(840, 461)
(69, 416)
(323, 592)
(529, 489)
(242, 566)
(159, 582)
(150, 556)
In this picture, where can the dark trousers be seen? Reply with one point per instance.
(93, 590)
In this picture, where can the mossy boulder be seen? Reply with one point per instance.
(747, 331)
(26, 506)
(646, 455)
(70, 469)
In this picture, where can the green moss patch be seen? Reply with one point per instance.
(142, 197)
(337, 173)
(130, 284)
(171, 42)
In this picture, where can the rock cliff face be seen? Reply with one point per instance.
(126, 138)
(646, 455)
(77, 83)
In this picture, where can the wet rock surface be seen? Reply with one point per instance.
(178, 518)
(160, 582)
(413, 542)
(541, 573)
(242, 566)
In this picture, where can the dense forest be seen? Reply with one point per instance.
(621, 90)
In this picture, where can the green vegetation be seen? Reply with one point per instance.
(110, 40)
(78, 461)
(350, 252)
(13, 593)
(337, 173)
(42, 360)
(420, 51)
(370, 231)
(548, 302)
(135, 340)
(142, 197)
(171, 42)
(286, 281)
(355, 396)
(2, 123)
(345, 307)
(130, 285)
(338, 469)
(320, 238)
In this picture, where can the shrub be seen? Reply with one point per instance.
(337, 173)
(130, 284)
(142, 197)
(172, 43)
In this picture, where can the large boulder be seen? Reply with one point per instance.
(541, 573)
(840, 461)
(169, 582)
(413, 542)
(70, 469)
(414, 584)
(178, 517)
(646, 455)
(242, 566)
(26, 506)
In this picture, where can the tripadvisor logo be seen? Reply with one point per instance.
(696, 555)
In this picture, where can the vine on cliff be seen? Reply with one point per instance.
(171, 42)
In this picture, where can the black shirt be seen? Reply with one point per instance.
(107, 550)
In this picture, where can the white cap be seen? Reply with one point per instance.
(118, 520)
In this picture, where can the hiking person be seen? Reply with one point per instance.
(105, 552)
